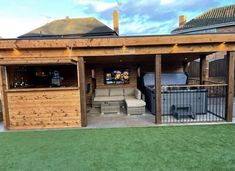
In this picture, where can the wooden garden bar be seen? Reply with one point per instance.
(61, 107)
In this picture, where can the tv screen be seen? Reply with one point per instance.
(117, 76)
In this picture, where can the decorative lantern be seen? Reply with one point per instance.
(56, 80)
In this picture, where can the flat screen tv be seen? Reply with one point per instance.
(116, 76)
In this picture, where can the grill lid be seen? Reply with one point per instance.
(175, 78)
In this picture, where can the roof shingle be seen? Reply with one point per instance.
(212, 18)
(70, 27)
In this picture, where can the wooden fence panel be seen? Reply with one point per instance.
(217, 68)
(194, 69)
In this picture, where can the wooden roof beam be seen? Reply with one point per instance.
(116, 41)
(119, 51)
(37, 61)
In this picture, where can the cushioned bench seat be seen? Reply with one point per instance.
(135, 106)
(114, 95)
(134, 103)
(108, 98)
(129, 97)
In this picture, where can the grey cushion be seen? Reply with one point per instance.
(109, 98)
(137, 94)
(116, 92)
(129, 91)
(101, 92)
(130, 97)
(135, 103)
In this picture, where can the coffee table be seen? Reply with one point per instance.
(110, 107)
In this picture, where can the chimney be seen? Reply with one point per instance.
(116, 21)
(182, 20)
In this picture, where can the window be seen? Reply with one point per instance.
(42, 76)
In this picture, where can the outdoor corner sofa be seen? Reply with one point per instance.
(130, 98)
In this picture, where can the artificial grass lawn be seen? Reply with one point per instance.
(160, 148)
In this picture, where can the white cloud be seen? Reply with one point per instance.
(136, 17)
(141, 25)
(166, 2)
(98, 5)
(14, 27)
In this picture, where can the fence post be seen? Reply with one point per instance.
(230, 86)
(158, 70)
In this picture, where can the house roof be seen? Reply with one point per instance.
(217, 17)
(71, 27)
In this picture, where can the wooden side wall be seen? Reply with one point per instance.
(44, 109)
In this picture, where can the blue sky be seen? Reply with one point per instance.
(137, 17)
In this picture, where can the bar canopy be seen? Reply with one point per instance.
(36, 61)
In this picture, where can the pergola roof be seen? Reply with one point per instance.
(116, 46)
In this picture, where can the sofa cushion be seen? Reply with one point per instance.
(137, 94)
(130, 97)
(129, 91)
(109, 98)
(135, 103)
(101, 92)
(116, 92)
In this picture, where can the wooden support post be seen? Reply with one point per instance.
(82, 86)
(4, 103)
(230, 88)
(158, 89)
(204, 69)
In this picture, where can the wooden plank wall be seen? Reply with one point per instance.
(99, 75)
(193, 69)
(44, 109)
(217, 68)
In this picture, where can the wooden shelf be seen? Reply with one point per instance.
(41, 89)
